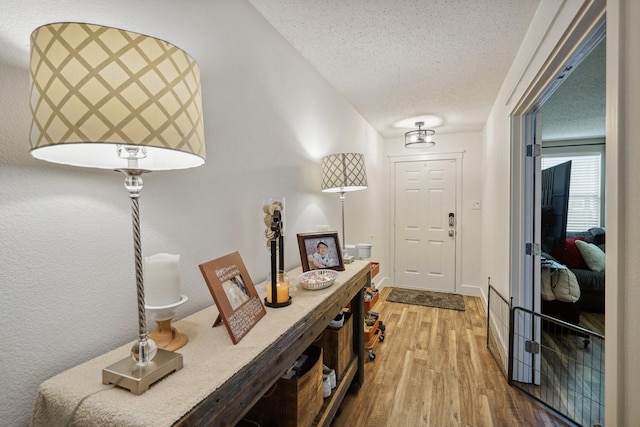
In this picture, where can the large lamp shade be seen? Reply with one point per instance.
(94, 88)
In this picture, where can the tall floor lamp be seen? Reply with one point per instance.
(342, 173)
(107, 98)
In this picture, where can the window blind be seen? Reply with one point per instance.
(584, 190)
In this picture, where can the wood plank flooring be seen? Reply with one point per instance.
(434, 369)
(592, 321)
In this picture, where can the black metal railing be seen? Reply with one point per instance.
(558, 364)
(498, 315)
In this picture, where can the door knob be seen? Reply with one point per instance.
(451, 233)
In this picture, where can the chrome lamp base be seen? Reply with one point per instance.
(136, 378)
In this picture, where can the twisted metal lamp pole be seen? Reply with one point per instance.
(344, 239)
(144, 350)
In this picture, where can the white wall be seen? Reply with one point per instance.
(469, 220)
(67, 275)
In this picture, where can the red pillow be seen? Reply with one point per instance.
(570, 256)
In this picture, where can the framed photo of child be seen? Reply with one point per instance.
(320, 250)
(235, 296)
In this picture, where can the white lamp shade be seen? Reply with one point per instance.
(343, 172)
(95, 88)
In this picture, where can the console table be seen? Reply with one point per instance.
(219, 382)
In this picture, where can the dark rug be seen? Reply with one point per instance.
(427, 298)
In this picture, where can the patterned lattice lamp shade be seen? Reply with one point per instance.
(343, 172)
(94, 88)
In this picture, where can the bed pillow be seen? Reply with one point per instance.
(593, 256)
(598, 234)
(570, 256)
(547, 292)
(565, 285)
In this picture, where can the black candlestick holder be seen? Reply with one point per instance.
(277, 253)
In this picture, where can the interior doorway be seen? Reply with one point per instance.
(526, 208)
(566, 171)
(526, 160)
(573, 140)
(425, 222)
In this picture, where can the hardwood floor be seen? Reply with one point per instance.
(434, 369)
(592, 321)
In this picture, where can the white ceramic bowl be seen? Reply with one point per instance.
(317, 279)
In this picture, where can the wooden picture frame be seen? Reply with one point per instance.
(235, 295)
(310, 251)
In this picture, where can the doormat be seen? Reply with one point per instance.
(427, 298)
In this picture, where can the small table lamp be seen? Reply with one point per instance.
(342, 173)
(112, 99)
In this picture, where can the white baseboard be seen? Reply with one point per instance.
(471, 291)
(382, 282)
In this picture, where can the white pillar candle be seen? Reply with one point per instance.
(161, 279)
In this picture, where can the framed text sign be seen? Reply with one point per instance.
(234, 294)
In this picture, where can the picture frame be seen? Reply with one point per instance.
(320, 250)
(235, 295)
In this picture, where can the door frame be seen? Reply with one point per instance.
(570, 50)
(457, 156)
(586, 31)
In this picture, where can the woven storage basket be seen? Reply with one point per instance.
(296, 402)
(337, 346)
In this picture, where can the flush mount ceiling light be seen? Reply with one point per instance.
(419, 138)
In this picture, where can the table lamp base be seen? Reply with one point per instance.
(137, 379)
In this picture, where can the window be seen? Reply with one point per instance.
(585, 192)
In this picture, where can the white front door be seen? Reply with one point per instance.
(425, 225)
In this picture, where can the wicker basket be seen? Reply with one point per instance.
(337, 346)
(296, 402)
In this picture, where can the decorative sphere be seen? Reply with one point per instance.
(144, 350)
(133, 183)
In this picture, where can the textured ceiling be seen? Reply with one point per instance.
(395, 60)
(577, 108)
(391, 59)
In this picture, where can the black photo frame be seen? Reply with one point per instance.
(312, 245)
